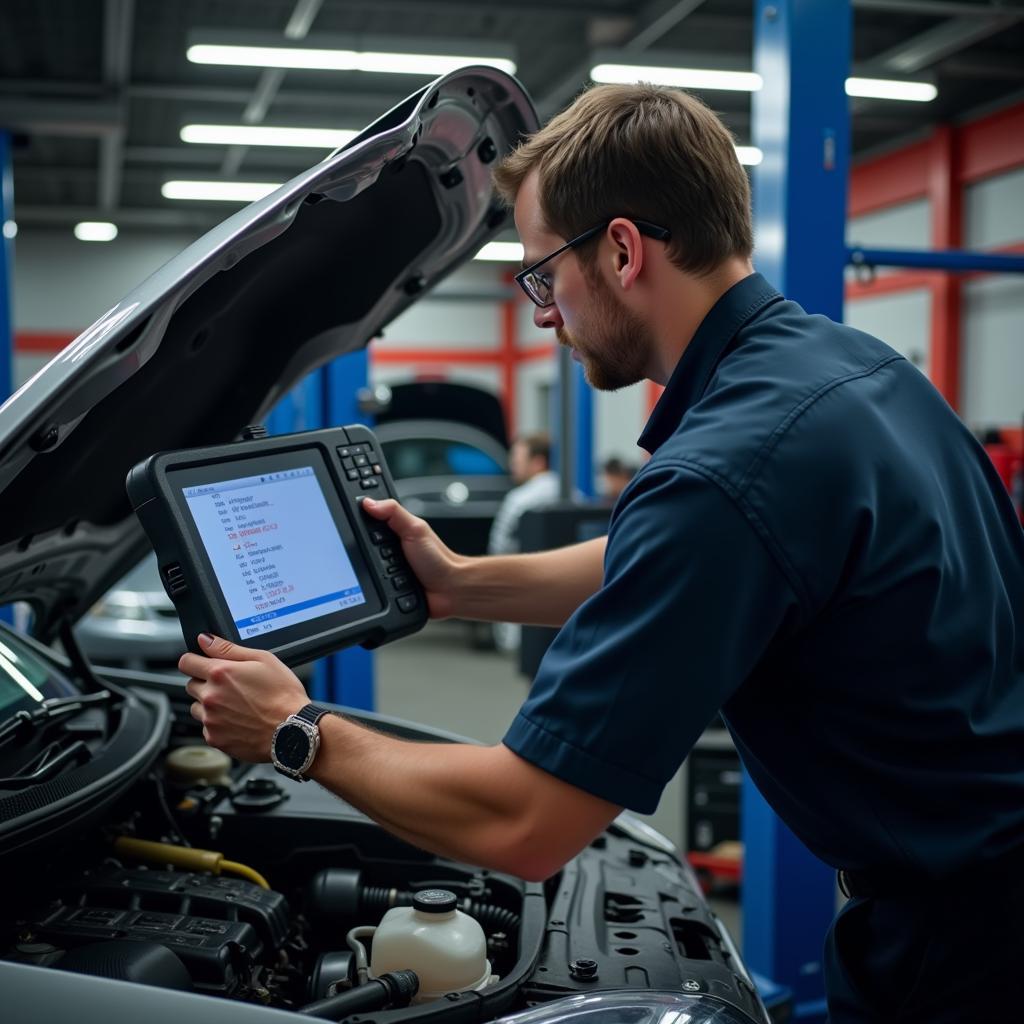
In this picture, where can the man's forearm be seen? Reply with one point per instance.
(479, 805)
(541, 589)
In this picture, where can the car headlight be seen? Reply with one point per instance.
(120, 605)
(633, 1008)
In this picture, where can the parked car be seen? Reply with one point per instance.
(146, 876)
(134, 625)
(447, 447)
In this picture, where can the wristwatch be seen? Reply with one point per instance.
(296, 742)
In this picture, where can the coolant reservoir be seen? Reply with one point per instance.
(445, 947)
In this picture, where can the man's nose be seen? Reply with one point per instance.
(547, 316)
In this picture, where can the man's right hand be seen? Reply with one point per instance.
(434, 564)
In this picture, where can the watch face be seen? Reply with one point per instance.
(292, 747)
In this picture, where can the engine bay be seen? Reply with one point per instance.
(242, 885)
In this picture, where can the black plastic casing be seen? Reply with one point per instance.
(155, 491)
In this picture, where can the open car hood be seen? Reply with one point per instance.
(214, 338)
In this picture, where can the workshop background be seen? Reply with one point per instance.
(97, 98)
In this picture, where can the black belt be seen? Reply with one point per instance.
(904, 883)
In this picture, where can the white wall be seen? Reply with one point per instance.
(900, 319)
(903, 226)
(61, 284)
(992, 329)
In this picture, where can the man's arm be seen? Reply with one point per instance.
(481, 805)
(542, 589)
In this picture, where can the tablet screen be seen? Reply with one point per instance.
(275, 549)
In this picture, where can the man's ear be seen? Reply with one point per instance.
(627, 251)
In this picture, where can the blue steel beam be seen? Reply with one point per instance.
(348, 675)
(327, 397)
(956, 260)
(583, 401)
(801, 125)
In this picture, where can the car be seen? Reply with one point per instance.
(447, 447)
(146, 876)
(134, 625)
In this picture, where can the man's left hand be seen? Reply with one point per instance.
(241, 696)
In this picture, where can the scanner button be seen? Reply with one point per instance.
(347, 463)
(365, 471)
(377, 536)
(352, 474)
(377, 469)
(401, 582)
(356, 449)
(360, 460)
(369, 482)
(408, 603)
(387, 551)
(392, 569)
(344, 452)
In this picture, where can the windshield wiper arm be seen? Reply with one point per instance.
(21, 723)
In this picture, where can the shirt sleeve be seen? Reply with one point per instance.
(691, 601)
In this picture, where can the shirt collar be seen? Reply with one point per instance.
(705, 351)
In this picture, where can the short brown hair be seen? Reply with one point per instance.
(537, 446)
(643, 152)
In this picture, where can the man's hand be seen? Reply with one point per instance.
(241, 696)
(434, 564)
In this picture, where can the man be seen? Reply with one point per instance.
(529, 466)
(615, 475)
(817, 546)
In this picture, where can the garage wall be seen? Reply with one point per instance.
(992, 353)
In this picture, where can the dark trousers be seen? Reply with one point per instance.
(949, 953)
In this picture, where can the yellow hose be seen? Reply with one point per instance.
(245, 871)
(185, 857)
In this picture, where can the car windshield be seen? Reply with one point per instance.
(25, 679)
(436, 456)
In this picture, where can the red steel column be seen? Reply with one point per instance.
(945, 193)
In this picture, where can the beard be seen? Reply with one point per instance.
(613, 343)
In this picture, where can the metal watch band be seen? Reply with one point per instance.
(312, 713)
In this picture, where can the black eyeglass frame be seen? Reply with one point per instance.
(645, 227)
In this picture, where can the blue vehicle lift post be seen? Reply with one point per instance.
(801, 124)
(573, 434)
(328, 397)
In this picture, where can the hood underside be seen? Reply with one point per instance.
(213, 339)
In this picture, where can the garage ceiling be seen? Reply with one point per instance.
(96, 91)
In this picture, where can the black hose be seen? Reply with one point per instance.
(392, 990)
(379, 899)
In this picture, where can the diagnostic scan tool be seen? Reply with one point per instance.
(263, 542)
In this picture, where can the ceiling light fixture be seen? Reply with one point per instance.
(748, 81)
(218, 191)
(887, 89)
(501, 252)
(264, 135)
(338, 60)
(749, 156)
(95, 231)
(683, 78)
(10, 229)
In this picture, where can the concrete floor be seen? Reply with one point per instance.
(436, 678)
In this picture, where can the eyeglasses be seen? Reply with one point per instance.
(538, 286)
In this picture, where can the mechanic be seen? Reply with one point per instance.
(818, 547)
(529, 465)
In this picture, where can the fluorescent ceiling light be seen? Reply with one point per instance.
(218, 191)
(885, 89)
(95, 231)
(748, 81)
(262, 135)
(338, 60)
(501, 252)
(10, 229)
(749, 156)
(683, 78)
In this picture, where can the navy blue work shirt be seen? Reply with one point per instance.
(819, 548)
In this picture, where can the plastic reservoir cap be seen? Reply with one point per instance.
(192, 764)
(435, 901)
